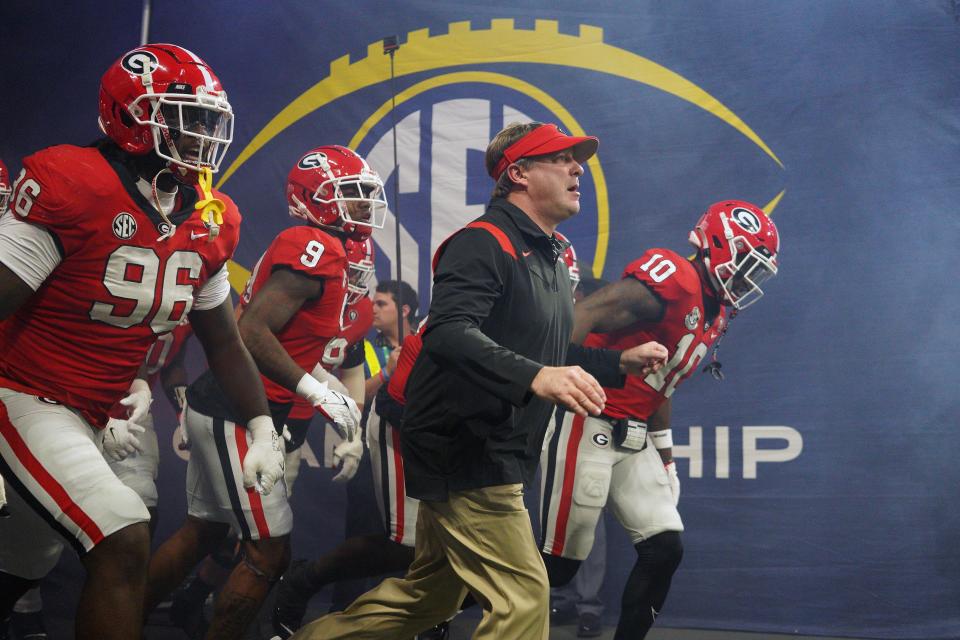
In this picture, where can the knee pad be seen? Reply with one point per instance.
(560, 570)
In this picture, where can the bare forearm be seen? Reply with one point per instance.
(236, 372)
(270, 356)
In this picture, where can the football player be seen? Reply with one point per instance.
(291, 309)
(623, 458)
(108, 247)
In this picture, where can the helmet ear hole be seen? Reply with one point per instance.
(717, 243)
(125, 118)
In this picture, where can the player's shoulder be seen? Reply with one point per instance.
(301, 235)
(231, 213)
(665, 270)
(70, 169)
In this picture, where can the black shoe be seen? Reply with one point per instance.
(590, 626)
(439, 632)
(27, 626)
(293, 595)
(186, 612)
(562, 615)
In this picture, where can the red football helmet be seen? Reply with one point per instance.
(6, 188)
(333, 187)
(738, 244)
(163, 98)
(359, 268)
(570, 257)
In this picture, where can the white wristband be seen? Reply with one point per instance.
(662, 439)
(260, 427)
(311, 389)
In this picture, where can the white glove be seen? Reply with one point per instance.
(347, 455)
(119, 440)
(138, 400)
(263, 465)
(338, 408)
(671, 468)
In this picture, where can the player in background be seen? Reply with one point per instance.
(108, 247)
(623, 458)
(292, 307)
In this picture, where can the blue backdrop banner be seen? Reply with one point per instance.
(814, 500)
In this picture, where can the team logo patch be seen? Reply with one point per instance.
(163, 229)
(746, 220)
(47, 400)
(313, 161)
(692, 319)
(140, 62)
(353, 315)
(124, 226)
(601, 439)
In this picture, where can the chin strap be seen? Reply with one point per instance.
(713, 367)
(171, 228)
(211, 208)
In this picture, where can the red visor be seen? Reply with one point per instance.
(543, 140)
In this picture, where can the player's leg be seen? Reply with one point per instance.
(358, 556)
(576, 469)
(52, 462)
(642, 501)
(139, 472)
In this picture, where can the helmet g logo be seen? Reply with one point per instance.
(314, 161)
(746, 220)
(140, 63)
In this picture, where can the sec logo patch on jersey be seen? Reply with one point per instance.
(124, 225)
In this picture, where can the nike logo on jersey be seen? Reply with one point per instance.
(526, 253)
(194, 235)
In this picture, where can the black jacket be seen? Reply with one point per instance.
(502, 308)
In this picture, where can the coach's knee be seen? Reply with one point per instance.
(267, 559)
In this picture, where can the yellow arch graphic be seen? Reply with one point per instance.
(502, 42)
(566, 118)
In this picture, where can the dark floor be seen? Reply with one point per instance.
(60, 596)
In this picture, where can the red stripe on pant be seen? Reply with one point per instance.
(566, 493)
(256, 504)
(46, 481)
(398, 475)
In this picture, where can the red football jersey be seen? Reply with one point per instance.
(359, 317)
(82, 336)
(408, 355)
(166, 348)
(315, 253)
(682, 331)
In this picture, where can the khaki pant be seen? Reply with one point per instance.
(478, 541)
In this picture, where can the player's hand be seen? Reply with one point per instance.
(392, 361)
(119, 439)
(671, 468)
(347, 456)
(571, 387)
(184, 443)
(338, 408)
(643, 359)
(138, 400)
(263, 464)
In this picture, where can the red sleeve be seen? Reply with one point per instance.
(47, 194)
(310, 251)
(666, 273)
(408, 356)
(360, 318)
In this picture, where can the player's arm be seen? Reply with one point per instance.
(13, 292)
(353, 379)
(615, 306)
(372, 384)
(658, 426)
(280, 297)
(231, 363)
(173, 379)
